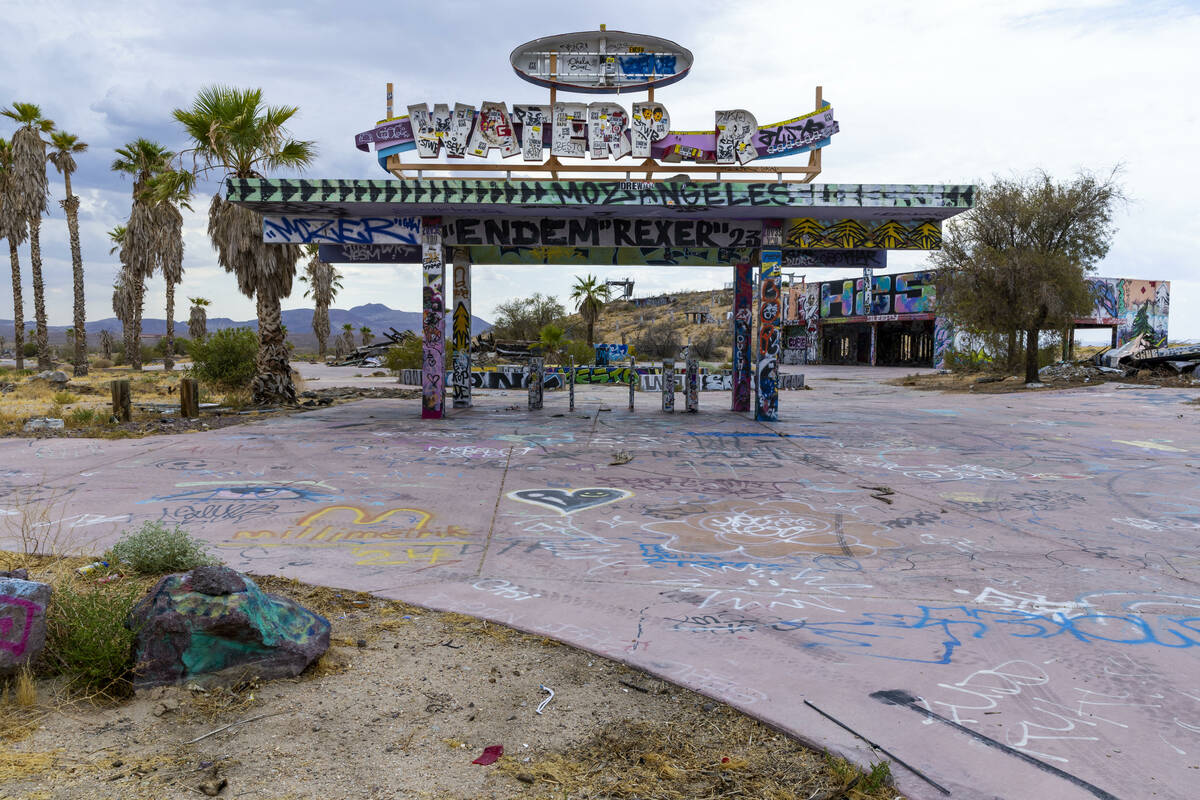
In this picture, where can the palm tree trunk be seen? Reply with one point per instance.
(591, 330)
(1031, 356)
(39, 294)
(71, 206)
(273, 383)
(133, 333)
(169, 360)
(18, 306)
(321, 329)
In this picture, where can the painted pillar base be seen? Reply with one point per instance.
(743, 297)
(668, 386)
(571, 387)
(433, 320)
(633, 378)
(769, 311)
(537, 373)
(460, 331)
(691, 386)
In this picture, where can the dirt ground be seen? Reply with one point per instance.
(986, 383)
(399, 707)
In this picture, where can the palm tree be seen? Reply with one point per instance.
(145, 245)
(13, 228)
(367, 335)
(125, 297)
(170, 232)
(198, 320)
(552, 339)
(27, 194)
(323, 282)
(590, 296)
(66, 146)
(345, 343)
(106, 344)
(236, 135)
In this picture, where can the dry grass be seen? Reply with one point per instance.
(729, 755)
(38, 398)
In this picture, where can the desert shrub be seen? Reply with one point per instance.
(658, 340)
(154, 549)
(64, 398)
(182, 347)
(406, 355)
(29, 349)
(226, 358)
(81, 417)
(86, 637)
(705, 347)
(102, 363)
(580, 352)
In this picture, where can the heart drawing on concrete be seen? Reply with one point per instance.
(568, 502)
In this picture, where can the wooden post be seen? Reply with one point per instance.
(189, 398)
(122, 409)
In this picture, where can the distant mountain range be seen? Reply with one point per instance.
(375, 316)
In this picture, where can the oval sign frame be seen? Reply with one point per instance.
(588, 59)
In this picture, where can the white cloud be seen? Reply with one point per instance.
(935, 92)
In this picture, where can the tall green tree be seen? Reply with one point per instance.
(235, 135)
(524, 317)
(590, 296)
(144, 242)
(66, 147)
(1019, 260)
(323, 283)
(14, 228)
(28, 191)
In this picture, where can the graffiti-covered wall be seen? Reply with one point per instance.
(905, 293)
(1135, 307)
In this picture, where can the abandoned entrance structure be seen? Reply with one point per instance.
(748, 224)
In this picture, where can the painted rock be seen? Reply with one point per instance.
(214, 625)
(22, 621)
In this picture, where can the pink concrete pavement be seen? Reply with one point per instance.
(1021, 621)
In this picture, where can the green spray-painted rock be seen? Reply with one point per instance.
(216, 625)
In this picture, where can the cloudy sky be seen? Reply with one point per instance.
(926, 92)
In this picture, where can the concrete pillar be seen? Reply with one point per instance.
(460, 330)
(433, 320)
(769, 336)
(743, 297)
(691, 385)
(633, 378)
(874, 340)
(537, 374)
(571, 385)
(668, 385)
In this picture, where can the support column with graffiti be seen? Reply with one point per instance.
(743, 294)
(537, 377)
(691, 383)
(433, 320)
(769, 335)
(943, 335)
(668, 386)
(460, 330)
(874, 341)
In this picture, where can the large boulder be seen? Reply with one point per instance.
(22, 620)
(214, 625)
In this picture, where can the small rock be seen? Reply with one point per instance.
(361, 642)
(44, 424)
(709, 706)
(20, 573)
(213, 787)
(23, 608)
(525, 777)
